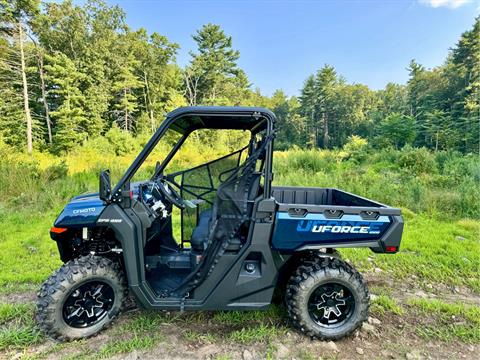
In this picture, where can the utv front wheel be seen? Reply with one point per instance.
(327, 298)
(81, 298)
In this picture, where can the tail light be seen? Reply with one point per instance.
(391, 249)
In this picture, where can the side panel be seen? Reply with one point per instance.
(81, 211)
(293, 232)
(234, 288)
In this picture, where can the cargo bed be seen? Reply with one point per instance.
(313, 218)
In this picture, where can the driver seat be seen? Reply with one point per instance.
(199, 236)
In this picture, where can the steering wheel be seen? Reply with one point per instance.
(170, 194)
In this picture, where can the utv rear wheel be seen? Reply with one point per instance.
(81, 298)
(327, 298)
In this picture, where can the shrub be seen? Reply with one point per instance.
(122, 142)
(396, 130)
(56, 171)
(457, 166)
(417, 160)
(356, 148)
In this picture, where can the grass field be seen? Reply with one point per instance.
(426, 294)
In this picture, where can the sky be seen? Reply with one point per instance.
(282, 42)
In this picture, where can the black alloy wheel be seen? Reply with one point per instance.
(331, 304)
(326, 297)
(88, 304)
(81, 298)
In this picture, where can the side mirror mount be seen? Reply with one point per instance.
(105, 185)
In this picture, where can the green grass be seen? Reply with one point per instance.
(122, 346)
(261, 333)
(27, 254)
(17, 326)
(450, 333)
(385, 303)
(199, 337)
(17, 337)
(273, 313)
(440, 201)
(143, 322)
(447, 310)
(430, 250)
(16, 312)
(140, 332)
(442, 192)
(453, 321)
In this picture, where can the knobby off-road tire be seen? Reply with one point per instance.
(68, 286)
(317, 274)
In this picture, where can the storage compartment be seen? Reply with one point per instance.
(319, 196)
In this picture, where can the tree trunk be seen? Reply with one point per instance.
(214, 95)
(148, 103)
(126, 111)
(44, 97)
(313, 131)
(191, 85)
(26, 105)
(326, 136)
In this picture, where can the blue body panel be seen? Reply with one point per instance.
(291, 233)
(82, 210)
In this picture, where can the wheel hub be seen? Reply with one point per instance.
(88, 304)
(331, 304)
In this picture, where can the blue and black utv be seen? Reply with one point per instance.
(238, 238)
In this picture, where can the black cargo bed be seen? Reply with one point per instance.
(319, 196)
(316, 200)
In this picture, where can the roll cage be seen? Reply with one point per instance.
(185, 120)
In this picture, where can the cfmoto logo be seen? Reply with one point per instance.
(84, 211)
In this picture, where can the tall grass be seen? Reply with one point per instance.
(443, 184)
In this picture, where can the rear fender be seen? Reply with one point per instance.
(287, 264)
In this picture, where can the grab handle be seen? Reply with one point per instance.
(297, 212)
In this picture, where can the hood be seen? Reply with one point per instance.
(82, 210)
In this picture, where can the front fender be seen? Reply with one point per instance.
(128, 231)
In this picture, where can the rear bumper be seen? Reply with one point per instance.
(392, 237)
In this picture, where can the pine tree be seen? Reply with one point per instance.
(124, 86)
(308, 110)
(466, 108)
(68, 111)
(325, 82)
(213, 66)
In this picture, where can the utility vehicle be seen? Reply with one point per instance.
(236, 240)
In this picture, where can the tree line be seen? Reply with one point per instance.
(69, 73)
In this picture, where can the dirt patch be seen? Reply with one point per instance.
(18, 298)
